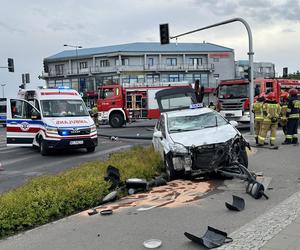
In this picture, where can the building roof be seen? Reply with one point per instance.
(144, 47)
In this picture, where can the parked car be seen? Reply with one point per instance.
(194, 140)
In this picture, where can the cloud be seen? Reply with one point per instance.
(288, 30)
(9, 28)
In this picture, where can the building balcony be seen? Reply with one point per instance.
(126, 68)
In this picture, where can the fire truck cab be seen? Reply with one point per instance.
(118, 104)
(233, 95)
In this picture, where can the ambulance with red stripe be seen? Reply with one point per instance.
(50, 119)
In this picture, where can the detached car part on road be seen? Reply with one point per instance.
(195, 140)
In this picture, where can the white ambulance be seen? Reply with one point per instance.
(50, 119)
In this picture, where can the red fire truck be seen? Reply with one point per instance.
(233, 95)
(120, 104)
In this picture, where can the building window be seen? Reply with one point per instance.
(171, 61)
(216, 59)
(150, 61)
(125, 61)
(174, 78)
(104, 63)
(83, 65)
(152, 78)
(195, 61)
(59, 69)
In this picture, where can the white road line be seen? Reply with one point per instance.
(258, 232)
(6, 163)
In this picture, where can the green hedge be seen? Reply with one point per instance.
(47, 198)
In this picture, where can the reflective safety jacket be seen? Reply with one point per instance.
(284, 107)
(271, 112)
(258, 111)
(293, 108)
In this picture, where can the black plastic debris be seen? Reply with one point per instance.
(238, 203)
(256, 189)
(158, 181)
(106, 212)
(211, 239)
(93, 212)
(136, 183)
(112, 175)
(112, 196)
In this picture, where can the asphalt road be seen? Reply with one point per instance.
(127, 228)
(21, 163)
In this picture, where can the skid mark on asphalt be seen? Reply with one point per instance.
(176, 193)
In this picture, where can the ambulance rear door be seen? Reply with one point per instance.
(23, 122)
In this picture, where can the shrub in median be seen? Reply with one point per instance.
(47, 198)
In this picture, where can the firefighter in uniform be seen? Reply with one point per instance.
(284, 105)
(258, 114)
(95, 115)
(293, 117)
(271, 110)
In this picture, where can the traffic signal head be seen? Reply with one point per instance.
(46, 68)
(247, 74)
(164, 33)
(10, 63)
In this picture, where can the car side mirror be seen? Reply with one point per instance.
(157, 134)
(35, 115)
(234, 123)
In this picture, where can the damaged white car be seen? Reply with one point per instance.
(195, 140)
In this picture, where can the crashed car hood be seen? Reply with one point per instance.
(205, 136)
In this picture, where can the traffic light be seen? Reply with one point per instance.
(10, 63)
(46, 68)
(247, 74)
(164, 33)
(285, 72)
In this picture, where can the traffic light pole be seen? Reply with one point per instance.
(250, 53)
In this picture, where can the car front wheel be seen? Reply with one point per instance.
(172, 174)
(243, 158)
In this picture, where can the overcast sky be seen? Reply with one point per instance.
(32, 30)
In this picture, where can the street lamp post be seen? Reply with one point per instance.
(250, 53)
(3, 85)
(76, 48)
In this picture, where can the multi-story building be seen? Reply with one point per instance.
(140, 63)
(260, 69)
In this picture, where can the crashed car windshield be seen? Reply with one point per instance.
(194, 122)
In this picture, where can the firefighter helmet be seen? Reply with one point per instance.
(271, 96)
(293, 92)
(284, 95)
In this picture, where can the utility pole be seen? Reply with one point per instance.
(250, 53)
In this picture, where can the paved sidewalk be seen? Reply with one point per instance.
(286, 239)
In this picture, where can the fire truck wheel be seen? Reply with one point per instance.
(43, 148)
(90, 149)
(116, 120)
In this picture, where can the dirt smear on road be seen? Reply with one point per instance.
(176, 193)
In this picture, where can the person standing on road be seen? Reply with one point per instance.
(199, 91)
(258, 114)
(95, 115)
(284, 105)
(292, 114)
(271, 111)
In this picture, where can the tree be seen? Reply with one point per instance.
(295, 75)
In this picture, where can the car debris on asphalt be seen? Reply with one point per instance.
(152, 243)
(211, 239)
(238, 203)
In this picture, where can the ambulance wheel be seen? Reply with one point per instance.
(90, 149)
(43, 148)
(116, 120)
